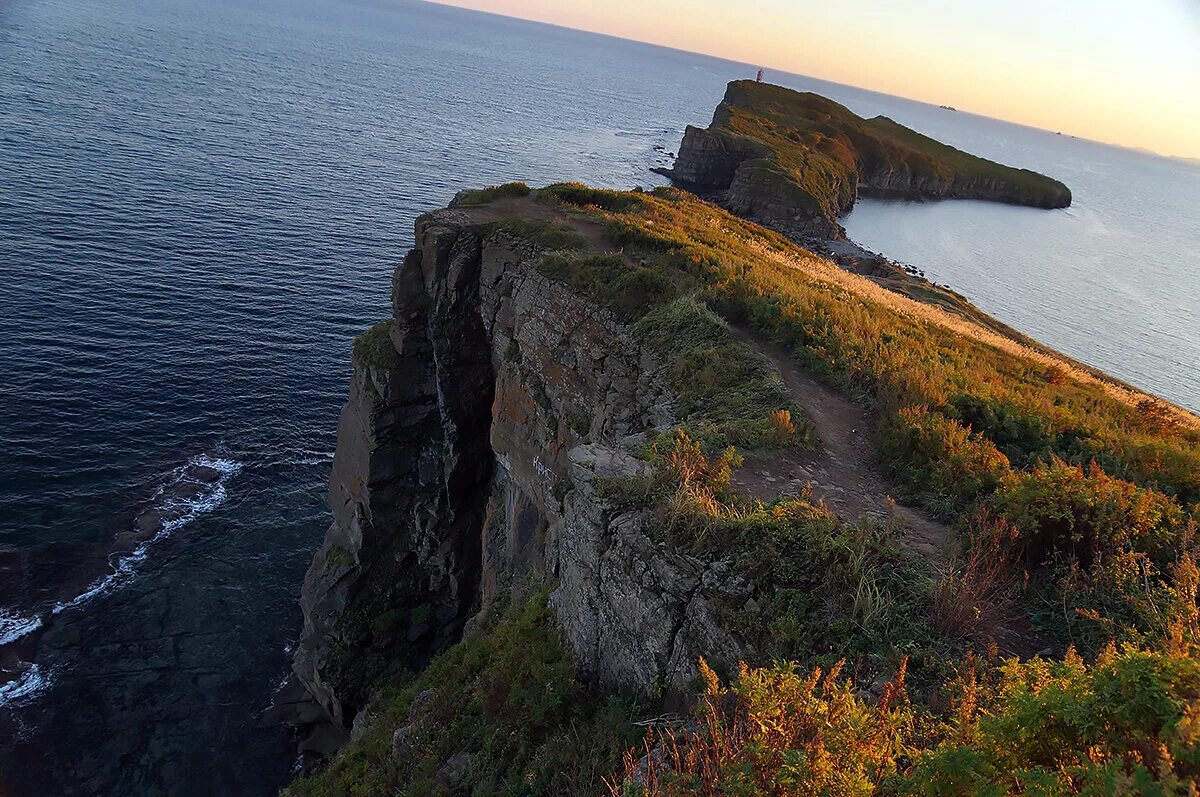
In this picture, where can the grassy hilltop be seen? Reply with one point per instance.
(824, 152)
(1072, 502)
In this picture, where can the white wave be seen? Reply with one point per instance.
(190, 508)
(13, 626)
(31, 682)
(321, 458)
(186, 509)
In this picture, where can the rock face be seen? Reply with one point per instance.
(795, 162)
(735, 173)
(471, 458)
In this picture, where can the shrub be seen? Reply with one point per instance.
(976, 594)
(484, 196)
(1128, 724)
(776, 732)
(584, 196)
(782, 428)
(1065, 512)
(939, 462)
(1021, 435)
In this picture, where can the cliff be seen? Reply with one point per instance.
(612, 444)
(795, 161)
(483, 420)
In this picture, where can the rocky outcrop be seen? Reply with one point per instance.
(483, 423)
(795, 162)
(738, 174)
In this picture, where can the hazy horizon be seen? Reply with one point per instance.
(1059, 102)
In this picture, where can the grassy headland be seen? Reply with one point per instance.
(1074, 499)
(824, 152)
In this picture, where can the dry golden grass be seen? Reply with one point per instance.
(787, 255)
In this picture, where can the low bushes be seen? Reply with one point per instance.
(938, 462)
(1085, 516)
(777, 731)
(506, 705)
(1128, 724)
(583, 196)
(484, 196)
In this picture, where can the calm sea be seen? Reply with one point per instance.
(201, 202)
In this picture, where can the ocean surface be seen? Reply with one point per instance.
(201, 202)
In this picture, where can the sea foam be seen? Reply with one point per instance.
(180, 509)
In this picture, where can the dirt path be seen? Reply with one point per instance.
(843, 469)
(529, 208)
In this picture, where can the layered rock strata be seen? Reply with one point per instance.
(473, 457)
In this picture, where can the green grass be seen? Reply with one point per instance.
(726, 390)
(548, 235)
(492, 193)
(374, 347)
(509, 698)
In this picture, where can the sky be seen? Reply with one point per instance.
(1122, 72)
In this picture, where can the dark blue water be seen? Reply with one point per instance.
(201, 202)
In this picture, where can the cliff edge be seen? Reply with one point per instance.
(484, 422)
(615, 449)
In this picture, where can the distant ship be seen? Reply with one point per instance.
(948, 107)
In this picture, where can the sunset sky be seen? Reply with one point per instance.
(1126, 73)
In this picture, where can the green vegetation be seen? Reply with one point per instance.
(1076, 499)
(776, 732)
(938, 462)
(374, 348)
(817, 152)
(546, 234)
(730, 393)
(1129, 724)
(1097, 483)
(830, 590)
(492, 193)
(506, 703)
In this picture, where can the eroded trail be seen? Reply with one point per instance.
(844, 469)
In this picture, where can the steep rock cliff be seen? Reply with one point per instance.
(484, 421)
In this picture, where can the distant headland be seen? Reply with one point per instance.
(796, 161)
